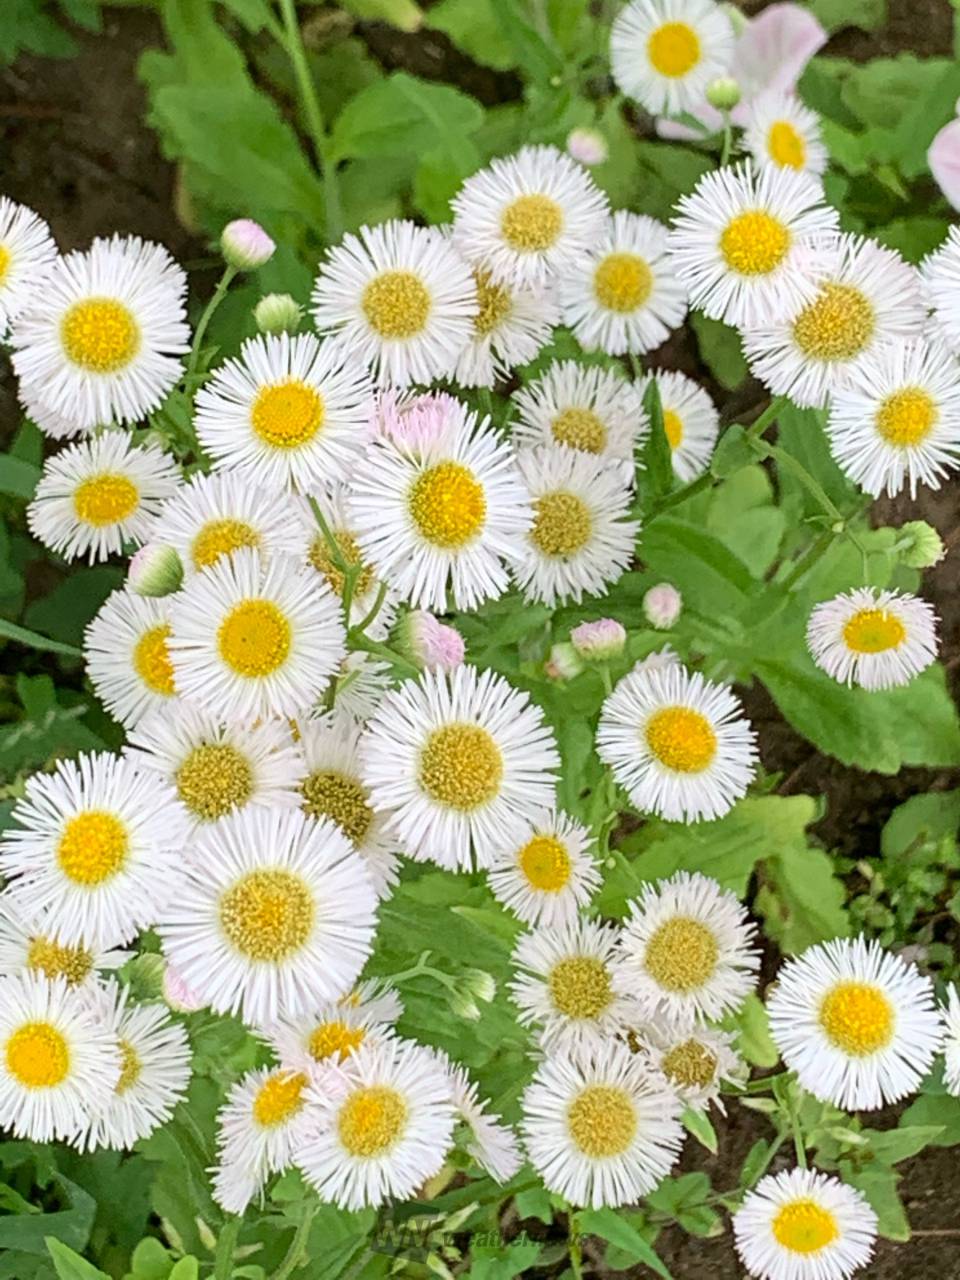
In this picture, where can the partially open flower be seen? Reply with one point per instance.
(245, 245)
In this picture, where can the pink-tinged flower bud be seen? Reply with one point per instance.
(413, 422)
(563, 663)
(599, 641)
(662, 605)
(178, 995)
(587, 146)
(432, 644)
(245, 245)
(658, 661)
(277, 313)
(155, 570)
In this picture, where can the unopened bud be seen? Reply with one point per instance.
(155, 570)
(723, 93)
(922, 547)
(480, 984)
(178, 995)
(662, 605)
(462, 1005)
(658, 661)
(587, 146)
(564, 662)
(245, 245)
(277, 313)
(599, 641)
(430, 643)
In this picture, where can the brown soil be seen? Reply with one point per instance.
(76, 149)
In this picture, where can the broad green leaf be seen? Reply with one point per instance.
(753, 1032)
(919, 819)
(698, 563)
(743, 516)
(69, 1265)
(890, 1146)
(65, 612)
(473, 26)
(658, 477)
(530, 49)
(503, 1261)
(879, 1185)
(403, 113)
(185, 1269)
(934, 1108)
(150, 1260)
(17, 477)
(834, 14)
(403, 14)
(612, 1226)
(721, 349)
(802, 899)
(71, 1226)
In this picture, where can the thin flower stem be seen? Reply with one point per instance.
(727, 140)
(809, 558)
(226, 1244)
(798, 1143)
(574, 1246)
(295, 1254)
(374, 610)
(200, 332)
(360, 641)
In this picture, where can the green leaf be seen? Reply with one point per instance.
(32, 1233)
(531, 51)
(879, 1185)
(65, 612)
(657, 462)
(150, 1260)
(934, 1108)
(890, 1146)
(185, 1269)
(721, 349)
(611, 1226)
(834, 14)
(753, 1028)
(33, 640)
(698, 1123)
(503, 1262)
(403, 113)
(697, 563)
(741, 511)
(921, 818)
(473, 26)
(69, 1265)
(18, 478)
(405, 15)
(802, 901)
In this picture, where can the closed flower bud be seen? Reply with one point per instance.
(462, 1005)
(587, 146)
(245, 245)
(155, 570)
(177, 994)
(599, 641)
(430, 643)
(921, 545)
(563, 663)
(277, 313)
(723, 93)
(480, 985)
(662, 605)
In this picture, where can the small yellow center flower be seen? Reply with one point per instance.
(907, 417)
(37, 1055)
(278, 1099)
(461, 766)
(93, 847)
(214, 779)
(545, 863)
(803, 1226)
(371, 1120)
(681, 954)
(328, 793)
(267, 915)
(532, 223)
(322, 561)
(100, 335)
(334, 1038)
(602, 1121)
(448, 505)
(131, 1067)
(495, 305)
(691, 1064)
(681, 739)
(837, 325)
(581, 429)
(754, 243)
(785, 145)
(254, 638)
(580, 986)
(674, 49)
(5, 261)
(562, 524)
(50, 958)
(673, 428)
(105, 499)
(221, 538)
(397, 305)
(857, 1018)
(151, 661)
(874, 631)
(622, 282)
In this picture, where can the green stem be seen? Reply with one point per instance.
(226, 1244)
(764, 420)
(809, 558)
(200, 332)
(360, 641)
(574, 1246)
(787, 462)
(727, 140)
(690, 490)
(375, 608)
(295, 1254)
(423, 970)
(799, 1147)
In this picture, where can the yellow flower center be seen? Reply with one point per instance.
(288, 414)
(562, 524)
(786, 146)
(545, 863)
(335, 1037)
(673, 428)
(254, 638)
(461, 766)
(371, 1120)
(532, 223)
(448, 505)
(93, 847)
(690, 1063)
(803, 1226)
(874, 631)
(278, 1099)
(622, 282)
(100, 335)
(674, 49)
(681, 955)
(907, 417)
(754, 243)
(130, 1067)
(579, 429)
(495, 302)
(213, 779)
(5, 259)
(50, 958)
(580, 986)
(221, 538)
(322, 561)
(267, 915)
(38, 1056)
(151, 661)
(602, 1121)
(333, 795)
(857, 1018)
(397, 304)
(837, 325)
(105, 499)
(681, 739)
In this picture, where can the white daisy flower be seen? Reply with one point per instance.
(871, 638)
(781, 133)
(898, 420)
(690, 422)
(154, 1075)
(625, 297)
(125, 647)
(27, 257)
(600, 1128)
(584, 407)
(951, 1043)
(31, 946)
(580, 540)
(334, 507)
(440, 514)
(333, 788)
(98, 846)
(858, 1025)
(214, 516)
(399, 299)
(528, 217)
(96, 495)
(277, 915)
(215, 768)
(664, 53)
(253, 639)
(101, 340)
(694, 1061)
(375, 999)
(868, 298)
(804, 1225)
(510, 328)
(548, 874)
(677, 743)
(328, 1034)
(686, 951)
(51, 422)
(566, 985)
(288, 413)
(264, 1120)
(491, 1143)
(745, 243)
(457, 761)
(940, 275)
(59, 1063)
(387, 1126)
(362, 684)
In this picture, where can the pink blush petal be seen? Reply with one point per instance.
(944, 160)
